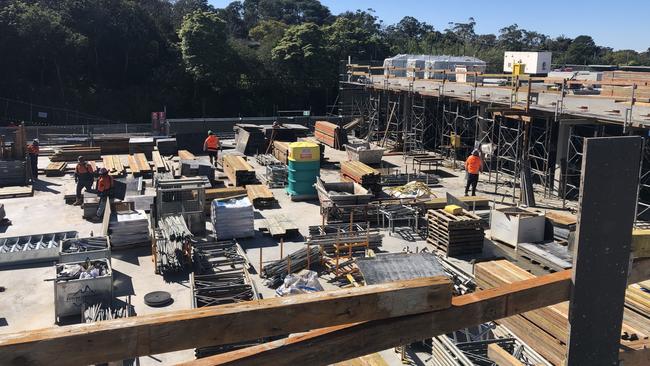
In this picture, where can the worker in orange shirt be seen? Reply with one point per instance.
(211, 146)
(33, 150)
(105, 185)
(84, 175)
(473, 166)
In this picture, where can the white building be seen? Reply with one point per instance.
(535, 63)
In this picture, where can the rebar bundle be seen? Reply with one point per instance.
(99, 312)
(171, 240)
(294, 262)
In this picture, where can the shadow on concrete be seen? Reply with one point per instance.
(3, 322)
(122, 284)
(260, 240)
(43, 186)
(181, 278)
(131, 255)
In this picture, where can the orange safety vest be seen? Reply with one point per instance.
(211, 143)
(33, 149)
(473, 164)
(104, 183)
(84, 168)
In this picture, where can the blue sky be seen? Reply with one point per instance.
(621, 24)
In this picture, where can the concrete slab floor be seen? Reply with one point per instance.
(28, 302)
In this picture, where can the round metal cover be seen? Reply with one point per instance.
(158, 299)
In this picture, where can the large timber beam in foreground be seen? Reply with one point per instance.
(119, 339)
(335, 344)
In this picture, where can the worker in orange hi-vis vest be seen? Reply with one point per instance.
(33, 150)
(473, 166)
(211, 146)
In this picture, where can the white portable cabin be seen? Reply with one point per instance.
(536, 63)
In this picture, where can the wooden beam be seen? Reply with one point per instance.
(501, 357)
(334, 344)
(84, 344)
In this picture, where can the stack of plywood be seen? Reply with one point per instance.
(73, 152)
(114, 165)
(546, 330)
(281, 151)
(331, 134)
(55, 169)
(139, 165)
(260, 196)
(238, 170)
(359, 172)
(455, 234)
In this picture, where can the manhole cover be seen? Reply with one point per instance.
(158, 298)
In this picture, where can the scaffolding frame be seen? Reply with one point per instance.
(509, 154)
(539, 153)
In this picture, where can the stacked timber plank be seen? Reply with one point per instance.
(281, 151)
(114, 165)
(546, 330)
(280, 226)
(455, 234)
(238, 170)
(185, 155)
(139, 165)
(112, 144)
(158, 161)
(331, 134)
(260, 196)
(73, 152)
(13, 173)
(359, 172)
(55, 169)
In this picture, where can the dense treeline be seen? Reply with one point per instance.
(122, 59)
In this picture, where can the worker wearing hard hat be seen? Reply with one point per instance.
(84, 175)
(33, 150)
(473, 166)
(105, 185)
(211, 146)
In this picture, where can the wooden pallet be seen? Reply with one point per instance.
(16, 191)
(139, 165)
(238, 171)
(455, 234)
(280, 226)
(260, 196)
(55, 169)
(114, 165)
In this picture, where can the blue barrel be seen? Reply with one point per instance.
(302, 177)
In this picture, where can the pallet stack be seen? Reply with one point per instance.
(455, 234)
(260, 196)
(546, 330)
(359, 172)
(238, 171)
(114, 165)
(55, 169)
(139, 165)
(331, 134)
(73, 152)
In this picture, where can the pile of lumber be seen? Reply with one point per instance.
(359, 172)
(260, 196)
(546, 330)
(158, 162)
(185, 155)
(55, 169)
(281, 151)
(455, 234)
(331, 134)
(238, 170)
(139, 165)
(73, 152)
(112, 144)
(114, 165)
(280, 226)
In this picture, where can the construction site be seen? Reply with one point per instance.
(438, 215)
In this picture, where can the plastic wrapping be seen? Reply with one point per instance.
(304, 282)
(233, 218)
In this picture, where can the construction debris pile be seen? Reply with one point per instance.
(81, 271)
(275, 272)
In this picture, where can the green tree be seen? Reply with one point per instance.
(301, 53)
(204, 47)
(354, 36)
